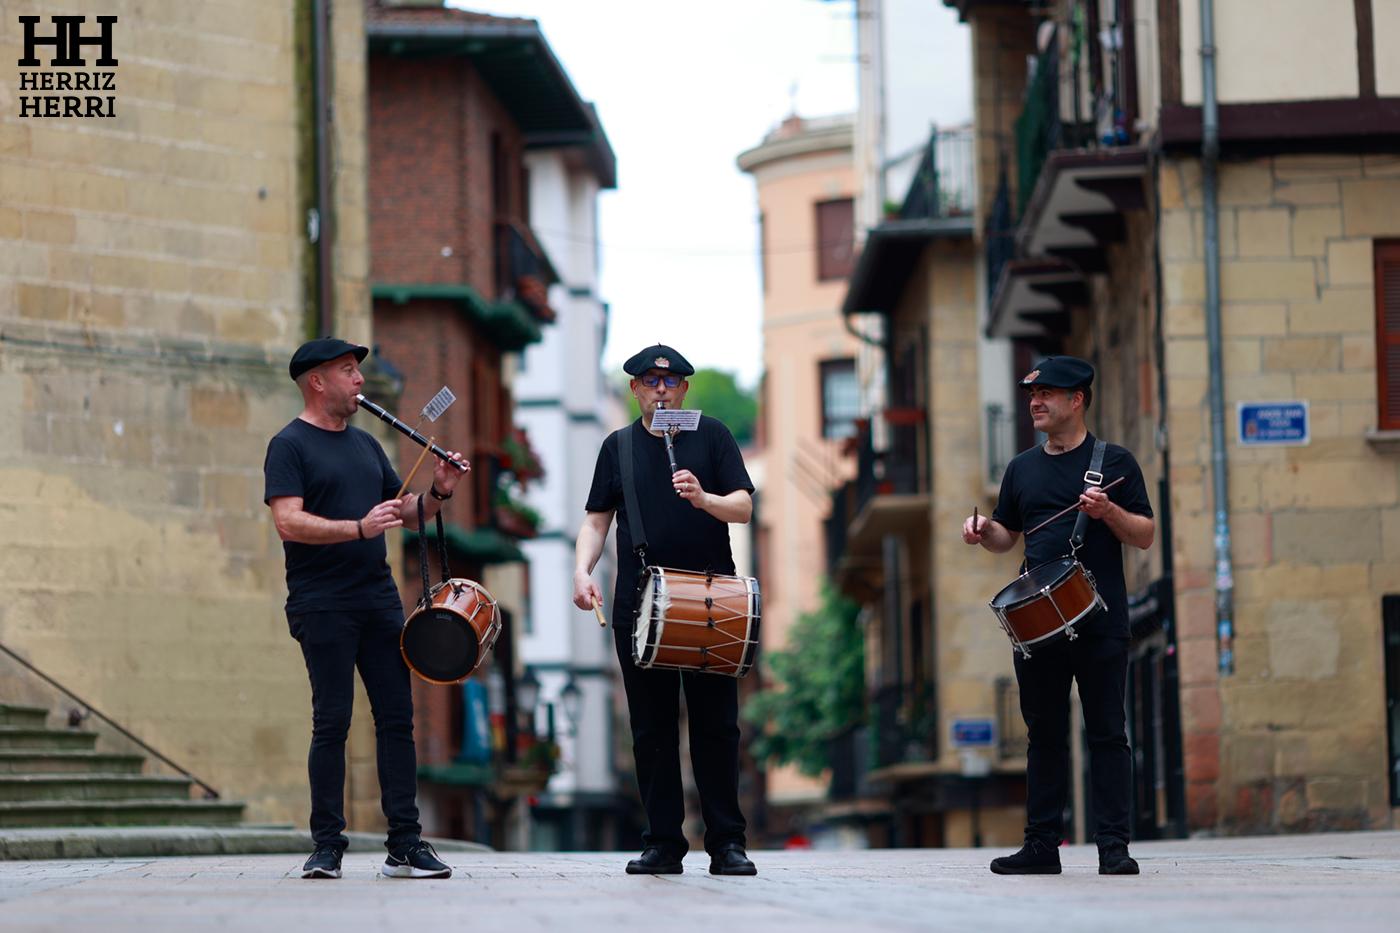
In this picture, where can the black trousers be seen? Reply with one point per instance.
(334, 644)
(712, 705)
(1099, 665)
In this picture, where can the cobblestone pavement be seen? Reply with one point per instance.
(1276, 884)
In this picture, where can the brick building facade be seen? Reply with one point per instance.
(459, 286)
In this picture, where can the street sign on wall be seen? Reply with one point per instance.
(1284, 423)
(974, 733)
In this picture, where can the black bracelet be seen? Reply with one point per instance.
(360, 527)
(432, 491)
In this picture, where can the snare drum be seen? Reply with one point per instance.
(693, 621)
(443, 643)
(1043, 604)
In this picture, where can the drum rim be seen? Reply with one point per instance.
(1055, 585)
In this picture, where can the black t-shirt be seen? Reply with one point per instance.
(1036, 485)
(678, 534)
(338, 475)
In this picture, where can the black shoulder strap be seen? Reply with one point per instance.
(423, 553)
(1094, 477)
(629, 493)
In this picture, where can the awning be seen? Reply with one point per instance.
(507, 324)
(478, 545)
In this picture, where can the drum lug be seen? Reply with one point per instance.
(709, 603)
(1071, 633)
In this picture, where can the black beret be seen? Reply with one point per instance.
(659, 356)
(1060, 372)
(315, 352)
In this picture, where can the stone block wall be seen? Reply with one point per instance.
(153, 284)
(1294, 739)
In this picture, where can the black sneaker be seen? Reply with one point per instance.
(1035, 858)
(324, 863)
(415, 860)
(1115, 860)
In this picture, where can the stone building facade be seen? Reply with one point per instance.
(1279, 720)
(155, 276)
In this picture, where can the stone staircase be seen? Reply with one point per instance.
(55, 777)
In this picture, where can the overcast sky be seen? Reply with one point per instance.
(682, 88)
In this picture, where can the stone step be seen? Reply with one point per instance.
(32, 716)
(67, 761)
(67, 787)
(29, 737)
(37, 813)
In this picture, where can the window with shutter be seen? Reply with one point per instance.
(1387, 253)
(836, 238)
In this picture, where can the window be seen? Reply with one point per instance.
(840, 399)
(1387, 255)
(836, 239)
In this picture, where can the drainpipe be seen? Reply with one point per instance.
(1210, 156)
(318, 226)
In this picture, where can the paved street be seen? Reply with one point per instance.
(1323, 882)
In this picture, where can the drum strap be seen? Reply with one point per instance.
(1092, 480)
(423, 553)
(629, 494)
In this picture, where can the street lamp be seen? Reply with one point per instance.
(573, 702)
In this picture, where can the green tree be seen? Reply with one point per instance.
(718, 394)
(818, 687)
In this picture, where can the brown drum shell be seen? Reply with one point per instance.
(468, 606)
(729, 642)
(1036, 620)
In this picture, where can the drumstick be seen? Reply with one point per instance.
(415, 469)
(974, 519)
(1064, 512)
(598, 611)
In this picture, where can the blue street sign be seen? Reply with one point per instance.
(974, 733)
(1274, 424)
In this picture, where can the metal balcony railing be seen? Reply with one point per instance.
(944, 184)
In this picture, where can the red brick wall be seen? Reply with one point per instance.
(430, 184)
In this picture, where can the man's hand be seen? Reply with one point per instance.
(972, 529)
(1094, 502)
(382, 517)
(445, 475)
(586, 590)
(685, 483)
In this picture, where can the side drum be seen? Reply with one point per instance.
(445, 641)
(693, 621)
(1043, 604)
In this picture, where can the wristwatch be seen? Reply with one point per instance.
(432, 491)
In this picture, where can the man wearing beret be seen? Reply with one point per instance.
(686, 519)
(332, 493)
(1037, 484)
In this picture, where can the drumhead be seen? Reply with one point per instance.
(440, 645)
(644, 635)
(1030, 583)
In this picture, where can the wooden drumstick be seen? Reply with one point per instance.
(1065, 512)
(598, 611)
(415, 469)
